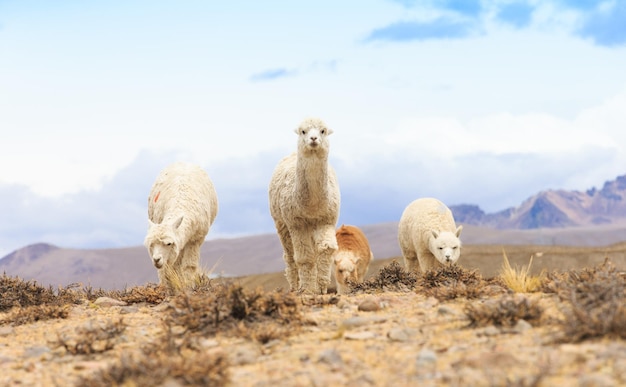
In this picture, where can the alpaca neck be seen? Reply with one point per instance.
(312, 179)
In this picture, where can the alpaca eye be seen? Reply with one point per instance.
(323, 131)
(169, 243)
(303, 131)
(440, 248)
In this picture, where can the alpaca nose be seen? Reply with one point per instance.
(313, 138)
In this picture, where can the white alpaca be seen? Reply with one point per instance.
(304, 203)
(428, 235)
(182, 206)
(352, 258)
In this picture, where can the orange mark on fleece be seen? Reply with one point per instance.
(157, 196)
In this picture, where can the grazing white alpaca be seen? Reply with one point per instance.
(182, 205)
(428, 235)
(304, 203)
(352, 258)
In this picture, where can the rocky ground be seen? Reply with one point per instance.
(382, 335)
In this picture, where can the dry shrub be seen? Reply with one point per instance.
(594, 300)
(150, 294)
(30, 314)
(519, 280)
(158, 367)
(392, 277)
(505, 311)
(93, 337)
(453, 281)
(229, 307)
(264, 333)
(14, 291)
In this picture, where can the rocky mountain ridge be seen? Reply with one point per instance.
(555, 209)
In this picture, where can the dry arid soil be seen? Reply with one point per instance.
(455, 326)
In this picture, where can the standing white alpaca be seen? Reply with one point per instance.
(182, 205)
(304, 203)
(428, 235)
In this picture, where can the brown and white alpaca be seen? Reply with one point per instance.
(352, 258)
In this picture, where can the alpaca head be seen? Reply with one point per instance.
(162, 242)
(312, 136)
(446, 245)
(345, 270)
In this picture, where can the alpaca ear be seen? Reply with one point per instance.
(458, 231)
(435, 233)
(177, 223)
(329, 131)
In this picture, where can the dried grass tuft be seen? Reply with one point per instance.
(178, 282)
(520, 280)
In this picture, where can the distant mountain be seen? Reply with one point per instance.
(555, 209)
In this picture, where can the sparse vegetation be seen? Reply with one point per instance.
(188, 335)
(30, 314)
(16, 292)
(392, 277)
(150, 294)
(520, 280)
(93, 337)
(27, 301)
(192, 316)
(178, 281)
(155, 367)
(453, 281)
(230, 308)
(594, 302)
(505, 311)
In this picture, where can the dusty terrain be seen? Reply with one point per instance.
(454, 328)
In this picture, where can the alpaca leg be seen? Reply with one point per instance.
(426, 261)
(190, 258)
(291, 270)
(324, 263)
(304, 257)
(326, 245)
(410, 260)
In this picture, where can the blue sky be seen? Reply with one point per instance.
(482, 102)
